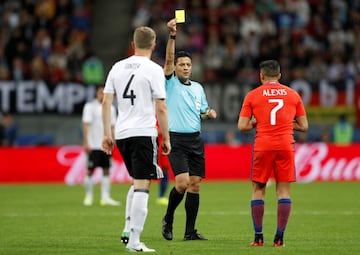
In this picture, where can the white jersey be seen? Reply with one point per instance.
(92, 115)
(137, 82)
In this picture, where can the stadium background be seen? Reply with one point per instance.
(50, 219)
(54, 52)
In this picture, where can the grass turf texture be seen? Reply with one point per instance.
(50, 219)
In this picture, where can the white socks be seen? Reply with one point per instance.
(129, 199)
(88, 184)
(138, 212)
(105, 187)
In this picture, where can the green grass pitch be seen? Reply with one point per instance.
(50, 219)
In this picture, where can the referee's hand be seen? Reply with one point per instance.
(172, 26)
(211, 114)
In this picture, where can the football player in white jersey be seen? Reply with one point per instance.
(92, 139)
(138, 84)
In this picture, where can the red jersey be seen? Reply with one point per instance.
(274, 107)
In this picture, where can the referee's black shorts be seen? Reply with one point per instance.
(187, 154)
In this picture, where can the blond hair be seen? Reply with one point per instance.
(144, 38)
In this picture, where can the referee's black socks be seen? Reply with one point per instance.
(175, 199)
(191, 207)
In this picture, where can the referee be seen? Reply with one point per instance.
(187, 106)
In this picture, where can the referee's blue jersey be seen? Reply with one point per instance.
(185, 103)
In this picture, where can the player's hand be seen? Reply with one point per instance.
(108, 145)
(87, 148)
(253, 122)
(172, 26)
(166, 147)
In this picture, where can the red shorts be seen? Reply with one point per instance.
(279, 163)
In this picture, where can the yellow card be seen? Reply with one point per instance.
(180, 16)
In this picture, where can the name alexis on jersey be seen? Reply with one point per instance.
(274, 92)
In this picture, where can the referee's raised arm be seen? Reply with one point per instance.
(170, 48)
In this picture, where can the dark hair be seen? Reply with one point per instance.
(270, 68)
(342, 117)
(181, 54)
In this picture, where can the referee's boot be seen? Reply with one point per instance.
(194, 236)
(167, 230)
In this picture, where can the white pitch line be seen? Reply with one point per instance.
(213, 213)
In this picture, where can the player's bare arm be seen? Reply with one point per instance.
(170, 48)
(300, 124)
(246, 123)
(85, 137)
(161, 113)
(108, 142)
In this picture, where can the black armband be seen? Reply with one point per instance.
(173, 37)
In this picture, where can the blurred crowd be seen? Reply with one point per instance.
(312, 39)
(46, 40)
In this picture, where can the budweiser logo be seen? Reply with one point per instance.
(75, 158)
(314, 162)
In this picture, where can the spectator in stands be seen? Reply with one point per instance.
(213, 55)
(317, 69)
(92, 70)
(64, 7)
(142, 14)
(20, 71)
(325, 136)
(268, 27)
(42, 43)
(4, 72)
(336, 70)
(44, 10)
(231, 139)
(57, 62)
(38, 69)
(13, 45)
(2, 130)
(343, 131)
(250, 24)
(80, 19)
(231, 56)
(10, 130)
